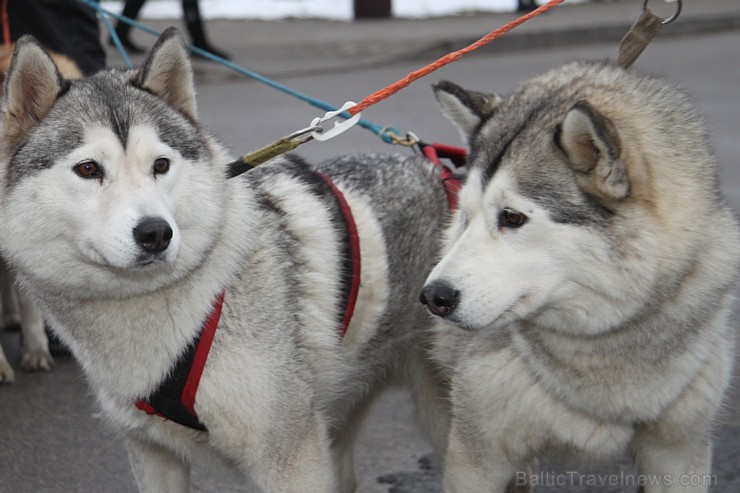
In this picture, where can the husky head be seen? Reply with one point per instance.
(110, 186)
(570, 215)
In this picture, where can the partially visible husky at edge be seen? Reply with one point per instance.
(17, 309)
(88, 164)
(587, 280)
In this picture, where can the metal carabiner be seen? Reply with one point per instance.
(679, 6)
(339, 127)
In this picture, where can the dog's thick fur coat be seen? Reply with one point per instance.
(86, 163)
(588, 277)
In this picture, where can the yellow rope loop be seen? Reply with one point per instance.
(281, 146)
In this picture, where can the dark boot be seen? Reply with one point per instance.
(194, 23)
(526, 5)
(131, 10)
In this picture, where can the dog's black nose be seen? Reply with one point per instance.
(153, 235)
(440, 298)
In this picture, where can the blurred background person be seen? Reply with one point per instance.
(526, 5)
(193, 22)
(66, 27)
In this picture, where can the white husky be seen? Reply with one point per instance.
(589, 275)
(119, 218)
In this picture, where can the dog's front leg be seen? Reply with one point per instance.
(302, 463)
(36, 355)
(157, 470)
(482, 468)
(674, 467)
(6, 371)
(674, 452)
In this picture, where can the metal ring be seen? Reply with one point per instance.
(389, 134)
(679, 6)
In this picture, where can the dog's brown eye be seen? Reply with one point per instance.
(509, 218)
(161, 166)
(88, 169)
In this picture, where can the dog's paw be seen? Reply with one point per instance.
(6, 373)
(37, 360)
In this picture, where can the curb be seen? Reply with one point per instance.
(514, 41)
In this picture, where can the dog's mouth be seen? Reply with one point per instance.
(511, 314)
(506, 317)
(147, 260)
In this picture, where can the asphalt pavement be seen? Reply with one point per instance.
(52, 437)
(294, 48)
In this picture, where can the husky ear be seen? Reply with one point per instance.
(31, 88)
(592, 146)
(466, 109)
(168, 74)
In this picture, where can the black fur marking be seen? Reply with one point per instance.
(506, 140)
(265, 203)
(119, 124)
(185, 139)
(494, 164)
(565, 207)
(557, 139)
(34, 155)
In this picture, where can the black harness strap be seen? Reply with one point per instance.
(174, 399)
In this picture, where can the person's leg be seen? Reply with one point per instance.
(131, 10)
(67, 27)
(194, 24)
(526, 5)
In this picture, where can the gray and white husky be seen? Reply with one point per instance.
(119, 218)
(586, 282)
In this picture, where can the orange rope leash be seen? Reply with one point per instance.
(6, 24)
(456, 55)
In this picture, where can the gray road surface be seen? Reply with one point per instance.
(51, 436)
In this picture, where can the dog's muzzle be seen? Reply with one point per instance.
(440, 298)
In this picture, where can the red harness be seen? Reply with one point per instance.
(353, 240)
(451, 182)
(174, 399)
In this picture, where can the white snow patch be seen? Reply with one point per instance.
(317, 9)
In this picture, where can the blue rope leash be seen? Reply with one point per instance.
(117, 41)
(382, 132)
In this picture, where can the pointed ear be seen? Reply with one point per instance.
(466, 109)
(591, 143)
(31, 88)
(167, 72)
